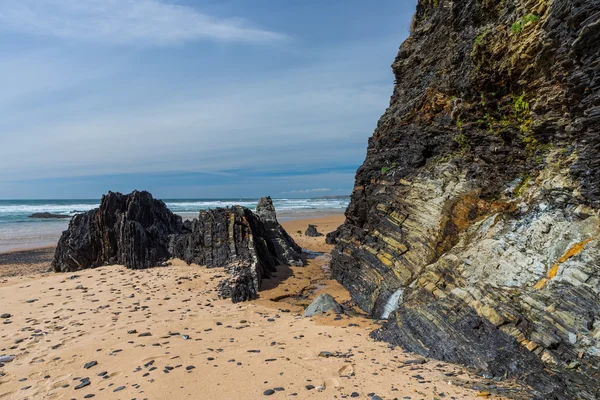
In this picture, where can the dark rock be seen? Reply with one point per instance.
(47, 215)
(322, 304)
(287, 252)
(269, 392)
(90, 364)
(84, 382)
(473, 224)
(5, 315)
(139, 232)
(312, 231)
(132, 230)
(248, 245)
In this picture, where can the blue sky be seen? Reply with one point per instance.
(192, 98)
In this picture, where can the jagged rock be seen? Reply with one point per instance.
(322, 304)
(249, 245)
(234, 238)
(139, 232)
(47, 215)
(286, 250)
(131, 230)
(478, 199)
(312, 231)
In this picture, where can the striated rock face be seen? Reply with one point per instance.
(473, 225)
(247, 245)
(286, 250)
(139, 232)
(132, 230)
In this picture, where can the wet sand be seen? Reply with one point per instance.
(162, 333)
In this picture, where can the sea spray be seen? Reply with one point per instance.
(392, 304)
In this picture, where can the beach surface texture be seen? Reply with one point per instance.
(114, 333)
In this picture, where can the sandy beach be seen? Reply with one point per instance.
(162, 333)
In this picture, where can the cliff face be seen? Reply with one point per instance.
(474, 225)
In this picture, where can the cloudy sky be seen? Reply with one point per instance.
(191, 98)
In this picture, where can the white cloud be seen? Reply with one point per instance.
(124, 22)
(318, 190)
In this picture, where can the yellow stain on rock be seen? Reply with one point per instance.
(573, 251)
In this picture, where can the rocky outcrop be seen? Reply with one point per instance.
(139, 232)
(473, 226)
(132, 230)
(312, 231)
(249, 246)
(47, 215)
(286, 250)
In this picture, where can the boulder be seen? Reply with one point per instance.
(322, 304)
(311, 231)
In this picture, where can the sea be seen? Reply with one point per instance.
(18, 231)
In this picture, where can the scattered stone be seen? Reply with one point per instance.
(84, 382)
(90, 364)
(269, 392)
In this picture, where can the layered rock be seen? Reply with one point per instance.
(132, 230)
(473, 225)
(286, 250)
(139, 232)
(249, 246)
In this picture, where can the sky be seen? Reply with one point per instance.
(191, 98)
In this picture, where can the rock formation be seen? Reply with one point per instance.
(132, 230)
(47, 215)
(312, 231)
(139, 232)
(286, 250)
(473, 225)
(248, 245)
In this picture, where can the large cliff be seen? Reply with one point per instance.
(474, 225)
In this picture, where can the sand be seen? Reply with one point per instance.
(162, 333)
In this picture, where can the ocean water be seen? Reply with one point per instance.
(18, 231)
